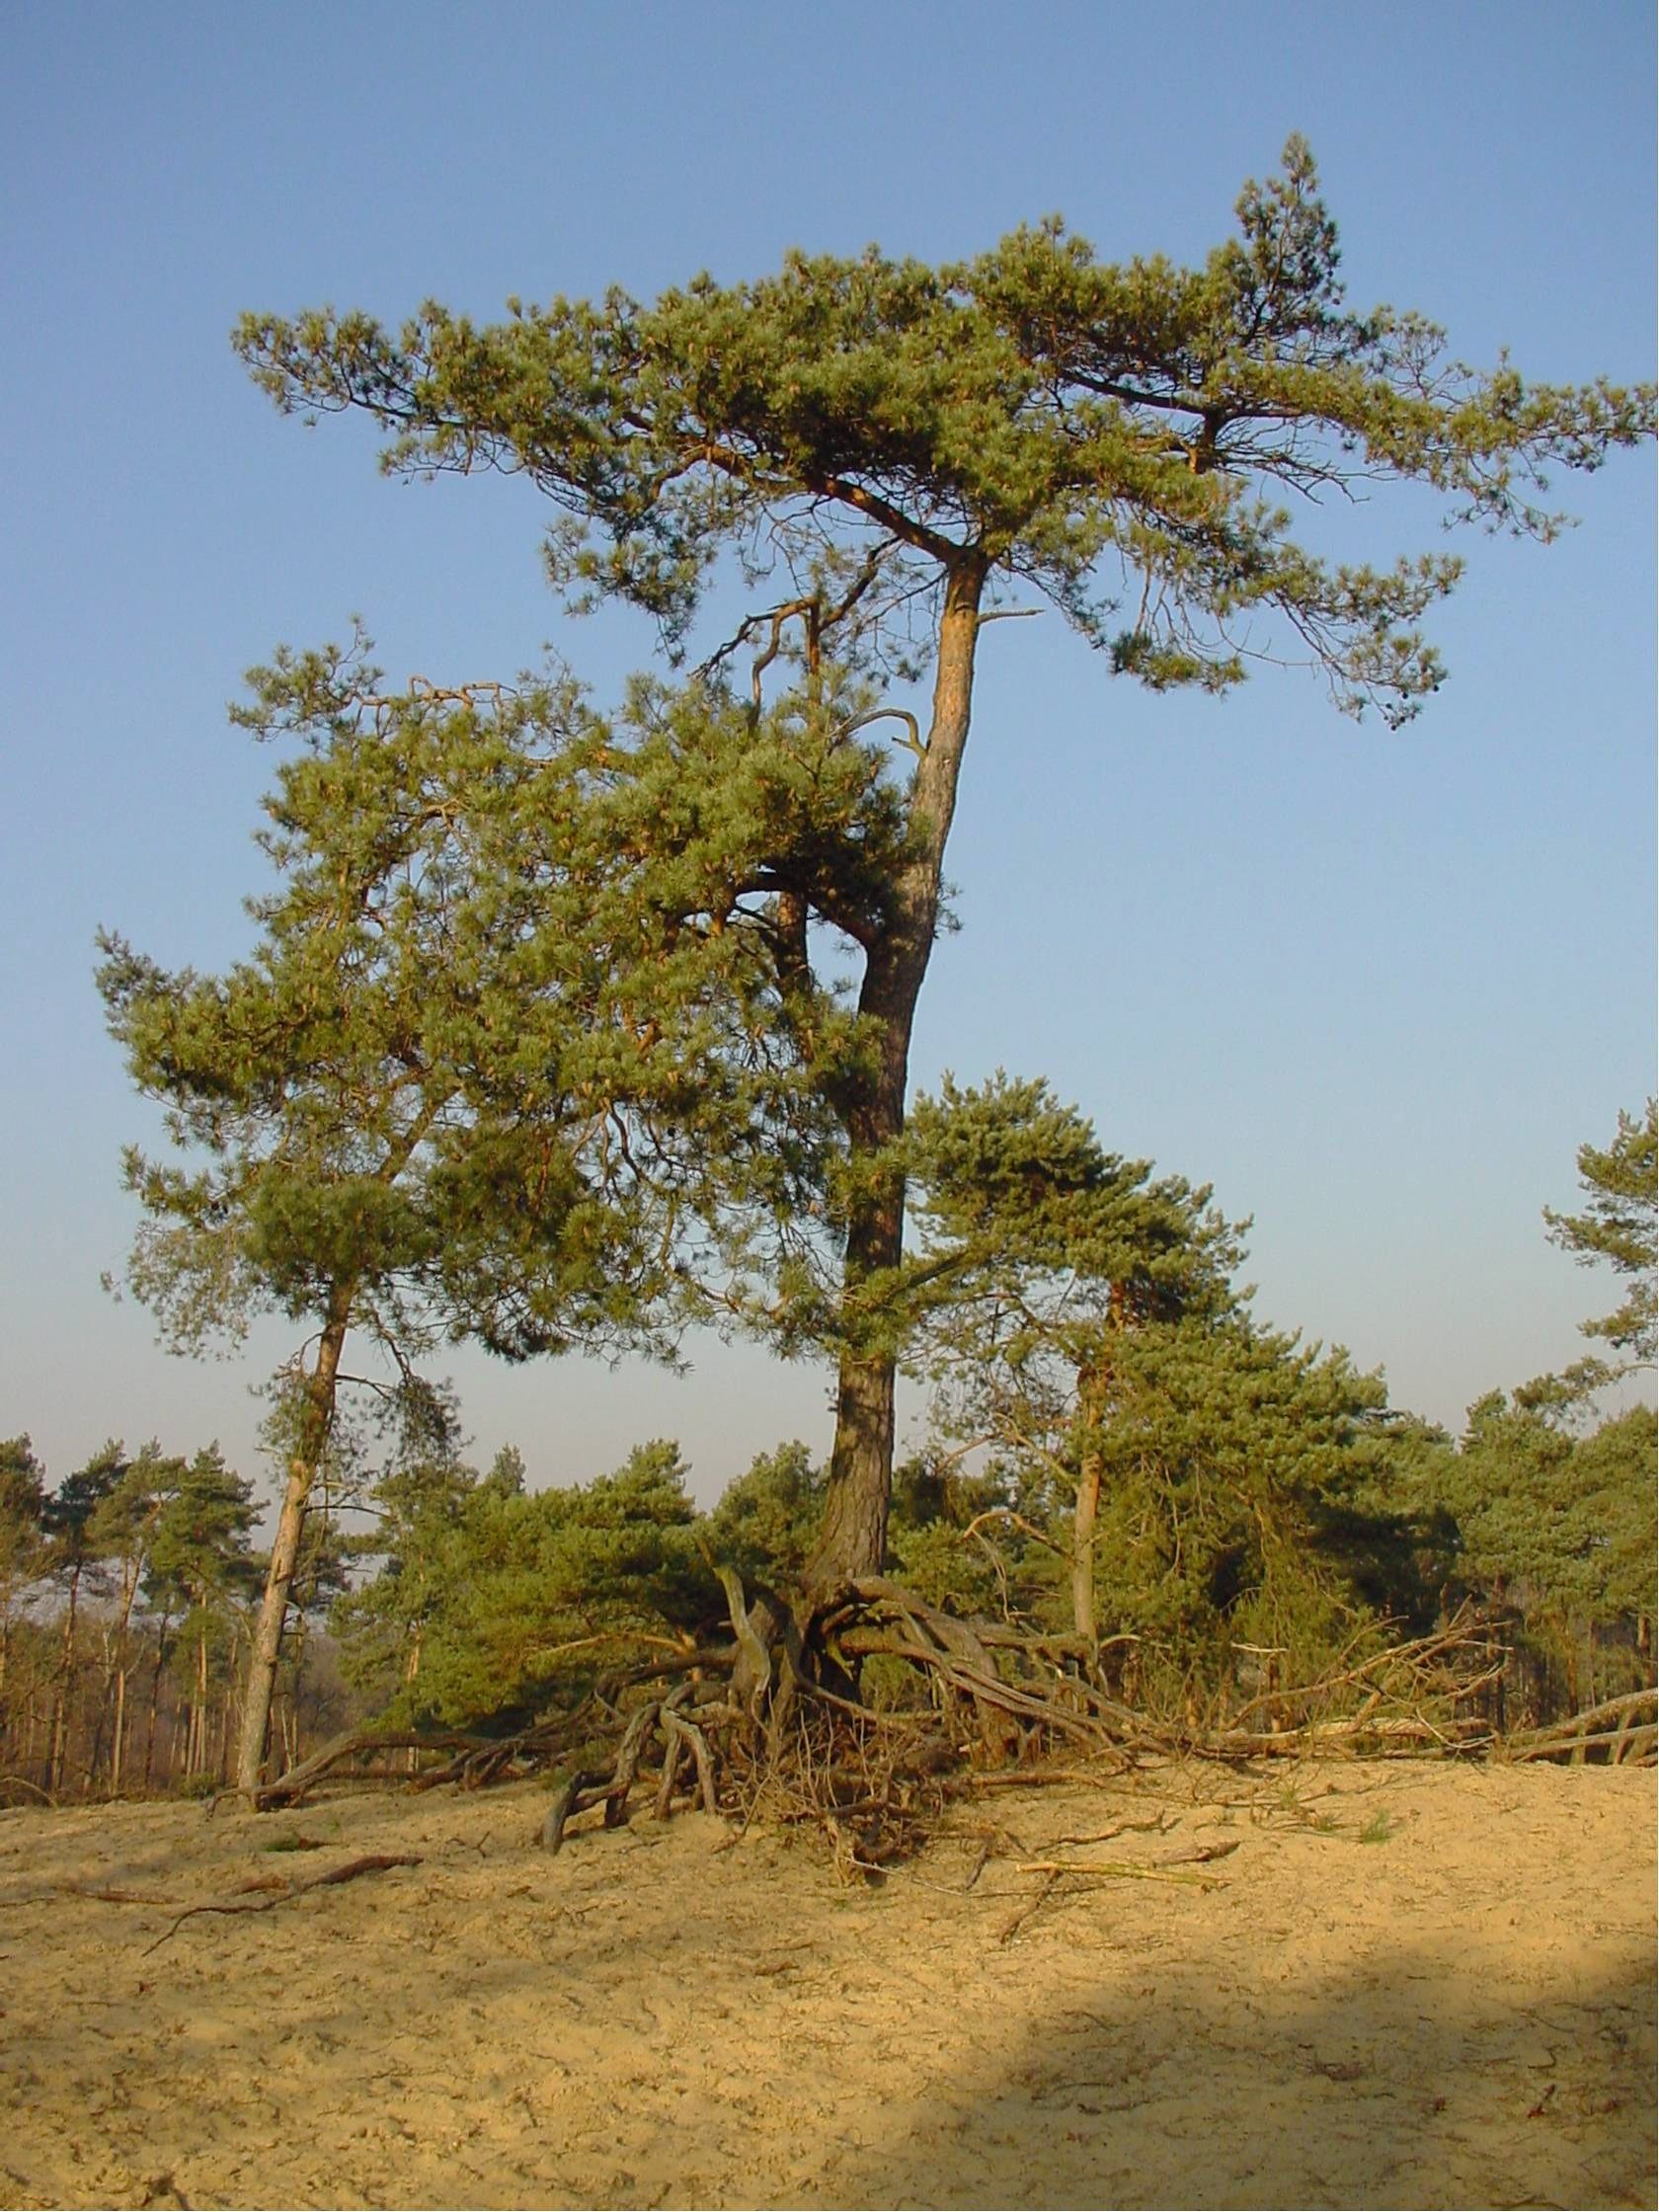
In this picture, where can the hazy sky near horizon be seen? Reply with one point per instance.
(1378, 987)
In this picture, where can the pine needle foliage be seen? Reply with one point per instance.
(1621, 1226)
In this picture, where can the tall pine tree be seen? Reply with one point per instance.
(899, 449)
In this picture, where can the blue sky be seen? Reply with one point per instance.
(1378, 987)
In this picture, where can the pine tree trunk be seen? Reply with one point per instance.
(196, 1758)
(155, 1699)
(1082, 1547)
(58, 1741)
(106, 1699)
(853, 1538)
(118, 1745)
(1093, 1385)
(317, 1419)
(122, 1661)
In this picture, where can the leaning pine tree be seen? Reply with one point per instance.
(903, 449)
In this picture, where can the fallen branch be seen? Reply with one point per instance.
(18, 1782)
(1117, 1870)
(375, 1863)
(1201, 1855)
(1616, 1725)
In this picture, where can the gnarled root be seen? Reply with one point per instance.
(777, 1722)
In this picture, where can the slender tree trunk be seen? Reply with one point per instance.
(411, 1673)
(196, 1756)
(106, 1699)
(58, 1741)
(1093, 1381)
(117, 1744)
(317, 1417)
(155, 1698)
(1083, 1546)
(853, 1538)
(121, 1667)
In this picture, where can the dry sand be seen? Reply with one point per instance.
(1457, 2011)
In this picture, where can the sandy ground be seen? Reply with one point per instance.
(1408, 1985)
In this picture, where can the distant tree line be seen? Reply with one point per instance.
(125, 1596)
(1118, 1449)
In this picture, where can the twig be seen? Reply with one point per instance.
(1008, 1932)
(72, 1889)
(1040, 1778)
(1158, 1825)
(375, 1863)
(1114, 1870)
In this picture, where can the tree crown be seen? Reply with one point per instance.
(1120, 439)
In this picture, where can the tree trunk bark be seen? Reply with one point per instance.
(1091, 1404)
(853, 1538)
(1082, 1547)
(316, 1420)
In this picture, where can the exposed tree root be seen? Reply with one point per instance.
(773, 1725)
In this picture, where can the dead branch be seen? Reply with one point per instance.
(18, 1782)
(1115, 1869)
(1160, 1824)
(1627, 1728)
(375, 1863)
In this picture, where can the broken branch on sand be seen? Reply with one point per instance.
(375, 1863)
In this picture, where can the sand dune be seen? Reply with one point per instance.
(1410, 1984)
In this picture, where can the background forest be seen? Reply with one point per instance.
(1260, 1511)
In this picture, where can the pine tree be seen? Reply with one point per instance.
(409, 1112)
(903, 448)
(1040, 1254)
(201, 1566)
(69, 1520)
(502, 1595)
(23, 1550)
(1620, 1225)
(122, 1532)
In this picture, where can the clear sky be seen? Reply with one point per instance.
(1377, 988)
